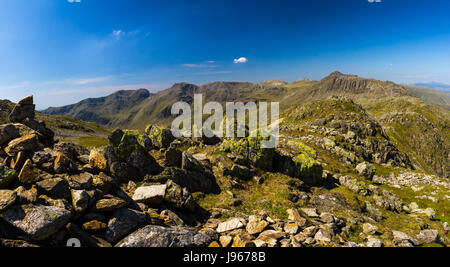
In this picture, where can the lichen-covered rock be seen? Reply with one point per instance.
(128, 157)
(179, 198)
(251, 149)
(38, 222)
(173, 157)
(159, 236)
(365, 170)
(7, 199)
(354, 185)
(240, 172)
(161, 138)
(7, 176)
(123, 222)
(299, 160)
(189, 163)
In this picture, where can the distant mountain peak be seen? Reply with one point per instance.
(435, 85)
(342, 75)
(274, 82)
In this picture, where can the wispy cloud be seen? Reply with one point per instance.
(118, 34)
(74, 1)
(240, 60)
(206, 64)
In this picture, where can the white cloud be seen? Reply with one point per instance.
(240, 60)
(117, 33)
(74, 1)
(374, 1)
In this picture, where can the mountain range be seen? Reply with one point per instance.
(417, 119)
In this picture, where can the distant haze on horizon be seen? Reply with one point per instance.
(65, 51)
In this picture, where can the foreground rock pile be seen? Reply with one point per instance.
(51, 192)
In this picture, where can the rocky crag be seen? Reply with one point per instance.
(336, 179)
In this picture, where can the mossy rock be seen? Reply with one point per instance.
(250, 148)
(300, 163)
(7, 176)
(161, 138)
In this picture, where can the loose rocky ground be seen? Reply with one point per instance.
(336, 179)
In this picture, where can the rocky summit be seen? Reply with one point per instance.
(341, 176)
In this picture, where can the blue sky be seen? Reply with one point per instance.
(64, 51)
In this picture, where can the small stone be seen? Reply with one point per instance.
(310, 212)
(446, 227)
(291, 228)
(80, 181)
(103, 182)
(7, 199)
(7, 176)
(225, 240)
(230, 225)
(369, 229)
(294, 215)
(400, 236)
(365, 170)
(29, 174)
(62, 164)
(327, 217)
(97, 160)
(95, 226)
(374, 243)
(310, 231)
(258, 180)
(214, 244)
(80, 200)
(109, 204)
(256, 225)
(323, 235)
